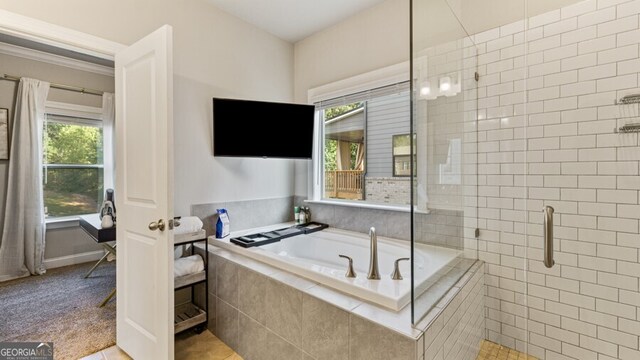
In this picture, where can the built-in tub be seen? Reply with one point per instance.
(315, 256)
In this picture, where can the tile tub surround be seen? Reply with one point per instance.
(558, 148)
(315, 257)
(246, 214)
(388, 223)
(280, 315)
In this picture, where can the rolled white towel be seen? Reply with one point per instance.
(188, 224)
(177, 252)
(188, 265)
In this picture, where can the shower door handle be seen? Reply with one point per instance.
(548, 236)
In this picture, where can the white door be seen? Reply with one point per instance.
(144, 180)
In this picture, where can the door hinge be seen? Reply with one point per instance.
(477, 233)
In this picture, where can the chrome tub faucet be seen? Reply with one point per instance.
(396, 275)
(374, 273)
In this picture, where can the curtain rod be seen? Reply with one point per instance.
(58, 86)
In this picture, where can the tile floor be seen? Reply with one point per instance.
(191, 346)
(493, 351)
(188, 346)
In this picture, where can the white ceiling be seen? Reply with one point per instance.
(293, 20)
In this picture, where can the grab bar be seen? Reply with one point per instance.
(548, 236)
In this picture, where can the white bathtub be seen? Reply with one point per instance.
(315, 256)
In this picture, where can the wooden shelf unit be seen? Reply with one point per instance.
(188, 316)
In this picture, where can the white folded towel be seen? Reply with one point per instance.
(188, 224)
(188, 265)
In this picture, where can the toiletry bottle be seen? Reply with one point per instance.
(303, 216)
(296, 214)
(307, 213)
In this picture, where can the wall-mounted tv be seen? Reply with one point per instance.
(243, 128)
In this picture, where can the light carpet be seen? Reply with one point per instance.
(61, 306)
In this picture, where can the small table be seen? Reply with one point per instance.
(92, 225)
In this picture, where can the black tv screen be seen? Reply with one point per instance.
(243, 128)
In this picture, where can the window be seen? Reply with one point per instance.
(73, 165)
(402, 155)
(357, 138)
(344, 151)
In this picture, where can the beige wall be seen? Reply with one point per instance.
(68, 242)
(215, 54)
(22, 67)
(370, 40)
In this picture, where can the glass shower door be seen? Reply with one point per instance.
(489, 202)
(444, 147)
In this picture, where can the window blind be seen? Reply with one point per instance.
(71, 120)
(361, 96)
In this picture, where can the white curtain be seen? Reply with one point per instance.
(22, 247)
(108, 119)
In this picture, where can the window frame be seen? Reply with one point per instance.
(394, 155)
(87, 116)
(382, 77)
(393, 166)
(321, 114)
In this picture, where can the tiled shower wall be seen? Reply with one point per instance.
(563, 153)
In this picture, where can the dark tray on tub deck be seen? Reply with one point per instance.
(269, 237)
(312, 227)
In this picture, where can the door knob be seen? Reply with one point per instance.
(153, 226)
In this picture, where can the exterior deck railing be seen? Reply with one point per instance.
(344, 184)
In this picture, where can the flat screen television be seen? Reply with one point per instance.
(244, 128)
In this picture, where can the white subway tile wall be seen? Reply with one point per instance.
(545, 136)
(457, 332)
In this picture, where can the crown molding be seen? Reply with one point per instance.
(49, 58)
